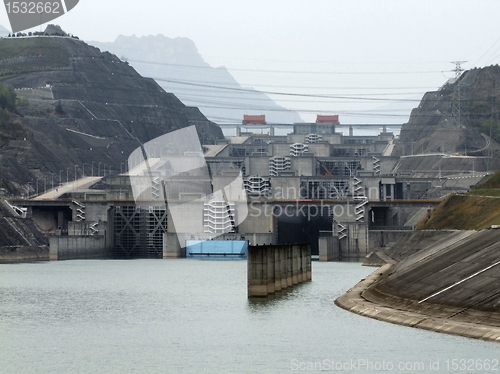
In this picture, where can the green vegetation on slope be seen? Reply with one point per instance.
(486, 192)
(492, 181)
(490, 186)
(478, 209)
(10, 127)
(463, 212)
(30, 54)
(7, 98)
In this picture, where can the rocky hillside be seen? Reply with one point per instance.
(434, 129)
(180, 69)
(77, 106)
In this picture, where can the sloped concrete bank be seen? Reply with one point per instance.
(11, 255)
(20, 239)
(454, 288)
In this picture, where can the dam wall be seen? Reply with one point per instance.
(78, 247)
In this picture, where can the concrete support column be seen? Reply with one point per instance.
(308, 263)
(271, 131)
(53, 248)
(295, 263)
(258, 279)
(282, 249)
(171, 246)
(270, 254)
(277, 270)
(303, 263)
(289, 266)
(272, 268)
(299, 264)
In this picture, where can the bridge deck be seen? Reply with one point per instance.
(82, 183)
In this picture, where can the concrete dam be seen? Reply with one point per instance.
(96, 228)
(339, 193)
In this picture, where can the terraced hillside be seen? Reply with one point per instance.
(31, 54)
(79, 106)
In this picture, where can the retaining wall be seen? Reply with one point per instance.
(78, 247)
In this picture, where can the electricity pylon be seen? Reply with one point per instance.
(457, 112)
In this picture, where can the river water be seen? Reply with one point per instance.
(193, 316)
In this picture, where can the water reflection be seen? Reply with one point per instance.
(280, 298)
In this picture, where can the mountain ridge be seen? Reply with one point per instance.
(74, 86)
(432, 126)
(178, 67)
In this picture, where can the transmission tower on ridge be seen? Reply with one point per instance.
(457, 112)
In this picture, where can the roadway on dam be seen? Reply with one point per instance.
(79, 184)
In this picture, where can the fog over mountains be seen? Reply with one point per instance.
(180, 69)
(3, 31)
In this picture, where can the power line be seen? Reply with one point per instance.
(295, 71)
(238, 100)
(489, 49)
(237, 84)
(283, 93)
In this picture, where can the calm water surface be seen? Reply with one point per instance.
(191, 316)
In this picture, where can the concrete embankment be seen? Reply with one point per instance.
(20, 238)
(450, 286)
(10, 255)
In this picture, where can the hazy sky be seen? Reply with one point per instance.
(360, 50)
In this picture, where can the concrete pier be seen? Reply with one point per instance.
(172, 247)
(272, 268)
(277, 271)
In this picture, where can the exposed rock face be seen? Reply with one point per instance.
(179, 68)
(432, 127)
(54, 30)
(82, 107)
